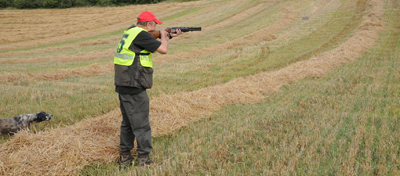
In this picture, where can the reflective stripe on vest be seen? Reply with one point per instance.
(146, 59)
(124, 56)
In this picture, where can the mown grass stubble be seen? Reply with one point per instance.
(340, 124)
(344, 123)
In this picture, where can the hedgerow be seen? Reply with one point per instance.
(33, 4)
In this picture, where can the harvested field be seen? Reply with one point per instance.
(246, 52)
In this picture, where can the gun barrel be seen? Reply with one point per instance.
(157, 34)
(186, 29)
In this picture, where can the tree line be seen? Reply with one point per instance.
(34, 4)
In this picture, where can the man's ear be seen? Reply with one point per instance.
(148, 25)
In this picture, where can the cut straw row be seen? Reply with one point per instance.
(65, 150)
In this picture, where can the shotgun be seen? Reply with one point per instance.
(157, 33)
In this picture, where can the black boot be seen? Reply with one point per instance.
(144, 160)
(125, 159)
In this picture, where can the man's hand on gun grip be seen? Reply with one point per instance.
(163, 33)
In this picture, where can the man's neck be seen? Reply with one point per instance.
(143, 27)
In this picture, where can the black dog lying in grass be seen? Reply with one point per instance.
(21, 122)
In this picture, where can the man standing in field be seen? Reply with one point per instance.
(133, 75)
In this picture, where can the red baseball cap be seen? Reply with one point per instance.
(148, 16)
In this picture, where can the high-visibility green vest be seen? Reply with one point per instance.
(124, 56)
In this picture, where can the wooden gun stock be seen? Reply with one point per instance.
(157, 34)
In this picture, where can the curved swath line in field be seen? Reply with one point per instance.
(265, 34)
(179, 109)
(91, 70)
(69, 20)
(260, 35)
(83, 33)
(112, 39)
(70, 58)
(235, 18)
(108, 40)
(81, 29)
(350, 26)
(228, 21)
(89, 56)
(65, 150)
(188, 17)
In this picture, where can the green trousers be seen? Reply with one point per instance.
(135, 122)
